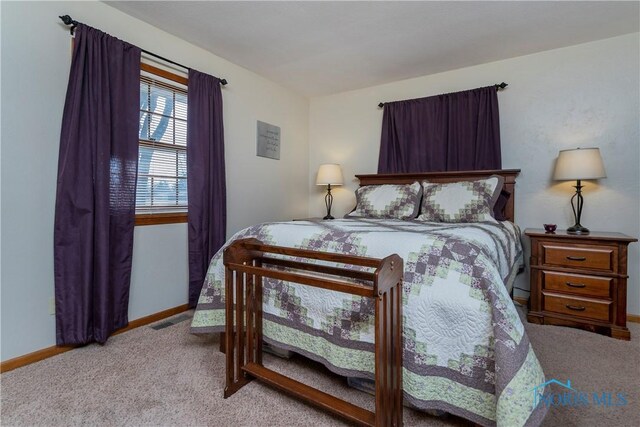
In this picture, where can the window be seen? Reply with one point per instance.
(161, 194)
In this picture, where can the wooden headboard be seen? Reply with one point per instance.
(408, 178)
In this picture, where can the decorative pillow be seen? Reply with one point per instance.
(462, 201)
(388, 201)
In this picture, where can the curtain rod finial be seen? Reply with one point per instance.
(381, 105)
(67, 20)
(223, 82)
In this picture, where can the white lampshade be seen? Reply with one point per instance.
(579, 163)
(329, 174)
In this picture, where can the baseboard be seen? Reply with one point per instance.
(521, 300)
(45, 353)
(143, 321)
(36, 356)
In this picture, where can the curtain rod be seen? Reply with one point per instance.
(67, 20)
(498, 86)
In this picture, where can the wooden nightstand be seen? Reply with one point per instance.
(580, 281)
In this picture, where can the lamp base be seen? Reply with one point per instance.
(576, 205)
(328, 200)
(578, 229)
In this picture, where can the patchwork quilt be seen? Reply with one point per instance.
(465, 348)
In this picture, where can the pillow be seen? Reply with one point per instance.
(388, 201)
(462, 201)
(501, 203)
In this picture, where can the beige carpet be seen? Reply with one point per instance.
(169, 377)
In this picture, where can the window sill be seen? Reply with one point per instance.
(161, 218)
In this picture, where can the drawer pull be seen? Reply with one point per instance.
(576, 285)
(576, 307)
(576, 258)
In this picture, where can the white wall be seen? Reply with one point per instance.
(585, 95)
(36, 52)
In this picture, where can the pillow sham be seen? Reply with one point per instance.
(462, 201)
(400, 201)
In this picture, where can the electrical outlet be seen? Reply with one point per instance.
(52, 306)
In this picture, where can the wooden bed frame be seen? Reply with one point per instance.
(509, 176)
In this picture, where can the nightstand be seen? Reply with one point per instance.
(580, 281)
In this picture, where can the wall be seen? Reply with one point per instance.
(36, 52)
(585, 95)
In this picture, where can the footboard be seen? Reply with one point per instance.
(247, 261)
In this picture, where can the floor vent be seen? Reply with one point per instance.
(162, 325)
(171, 322)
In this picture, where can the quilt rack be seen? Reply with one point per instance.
(246, 264)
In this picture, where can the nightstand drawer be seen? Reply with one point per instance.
(591, 257)
(579, 307)
(593, 286)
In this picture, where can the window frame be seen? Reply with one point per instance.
(158, 218)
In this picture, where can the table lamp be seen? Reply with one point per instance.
(329, 174)
(578, 164)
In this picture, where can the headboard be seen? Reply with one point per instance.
(408, 178)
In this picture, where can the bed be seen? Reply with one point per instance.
(465, 349)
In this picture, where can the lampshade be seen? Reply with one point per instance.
(329, 174)
(579, 163)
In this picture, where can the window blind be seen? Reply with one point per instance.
(162, 159)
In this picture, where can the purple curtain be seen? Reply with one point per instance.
(205, 177)
(451, 132)
(95, 197)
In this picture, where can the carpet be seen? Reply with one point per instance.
(165, 377)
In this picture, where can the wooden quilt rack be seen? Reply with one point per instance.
(245, 264)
